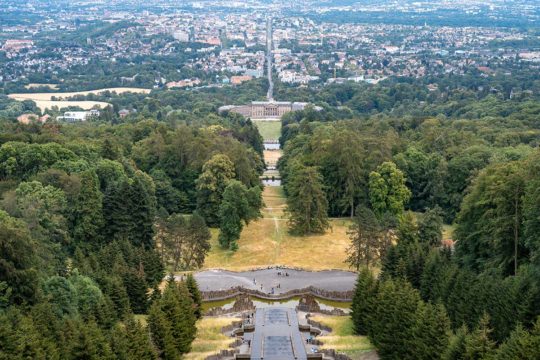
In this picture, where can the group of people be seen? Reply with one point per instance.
(278, 286)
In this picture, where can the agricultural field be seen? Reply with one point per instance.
(44, 100)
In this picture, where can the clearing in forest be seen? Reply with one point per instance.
(267, 242)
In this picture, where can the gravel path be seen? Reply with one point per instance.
(330, 280)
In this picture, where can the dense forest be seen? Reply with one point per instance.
(138, 194)
(400, 173)
(94, 215)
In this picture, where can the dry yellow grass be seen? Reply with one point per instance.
(272, 156)
(43, 100)
(342, 337)
(266, 242)
(209, 339)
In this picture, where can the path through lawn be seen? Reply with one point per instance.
(266, 242)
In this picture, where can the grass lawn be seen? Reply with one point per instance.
(267, 242)
(209, 339)
(342, 337)
(269, 130)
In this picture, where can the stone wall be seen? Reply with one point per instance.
(334, 354)
(236, 291)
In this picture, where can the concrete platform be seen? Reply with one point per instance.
(266, 279)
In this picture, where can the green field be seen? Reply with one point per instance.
(269, 130)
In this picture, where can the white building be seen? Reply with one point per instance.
(75, 116)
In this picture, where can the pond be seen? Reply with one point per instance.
(288, 303)
(270, 182)
(271, 146)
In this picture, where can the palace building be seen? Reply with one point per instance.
(265, 110)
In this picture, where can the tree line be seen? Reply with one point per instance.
(439, 158)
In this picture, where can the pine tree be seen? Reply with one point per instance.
(130, 341)
(430, 334)
(172, 321)
(478, 344)
(393, 319)
(521, 344)
(141, 347)
(195, 294)
(90, 342)
(119, 342)
(363, 304)
(116, 291)
(456, 346)
(161, 331)
(87, 214)
(143, 210)
(153, 267)
(430, 227)
(155, 295)
(137, 290)
(183, 317)
(366, 239)
(30, 344)
(116, 211)
(306, 201)
(431, 279)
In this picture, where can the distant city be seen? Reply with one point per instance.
(313, 43)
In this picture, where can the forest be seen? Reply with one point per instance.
(138, 196)
(400, 177)
(94, 216)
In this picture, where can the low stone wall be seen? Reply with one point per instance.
(334, 354)
(318, 325)
(236, 291)
(223, 354)
(279, 267)
(229, 328)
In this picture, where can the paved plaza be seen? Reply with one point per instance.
(276, 279)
